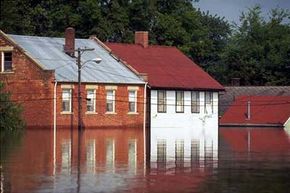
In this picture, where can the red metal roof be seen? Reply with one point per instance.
(166, 67)
(264, 110)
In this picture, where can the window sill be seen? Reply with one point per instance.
(7, 72)
(91, 113)
(66, 113)
(133, 113)
(110, 113)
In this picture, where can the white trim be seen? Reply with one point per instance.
(111, 87)
(132, 88)
(6, 48)
(67, 86)
(91, 87)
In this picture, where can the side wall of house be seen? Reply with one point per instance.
(187, 128)
(29, 86)
(101, 118)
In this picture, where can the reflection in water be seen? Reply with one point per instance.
(66, 155)
(110, 154)
(91, 155)
(132, 155)
(112, 160)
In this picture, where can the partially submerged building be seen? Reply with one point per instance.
(41, 74)
(182, 98)
(257, 111)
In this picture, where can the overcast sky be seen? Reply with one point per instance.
(231, 9)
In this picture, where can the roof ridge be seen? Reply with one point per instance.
(137, 45)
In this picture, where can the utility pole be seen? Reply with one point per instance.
(80, 51)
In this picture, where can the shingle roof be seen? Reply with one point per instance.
(228, 97)
(49, 53)
(166, 67)
(264, 110)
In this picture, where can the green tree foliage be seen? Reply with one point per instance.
(10, 112)
(259, 50)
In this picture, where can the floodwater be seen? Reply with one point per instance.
(112, 160)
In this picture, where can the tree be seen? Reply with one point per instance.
(10, 112)
(259, 51)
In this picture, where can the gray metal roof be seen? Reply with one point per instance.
(49, 53)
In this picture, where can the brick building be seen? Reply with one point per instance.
(41, 74)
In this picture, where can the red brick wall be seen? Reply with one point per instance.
(30, 86)
(120, 118)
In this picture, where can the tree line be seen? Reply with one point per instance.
(257, 51)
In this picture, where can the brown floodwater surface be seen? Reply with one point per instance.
(113, 160)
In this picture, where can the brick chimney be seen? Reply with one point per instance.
(141, 38)
(235, 81)
(69, 45)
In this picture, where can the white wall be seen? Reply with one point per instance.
(187, 126)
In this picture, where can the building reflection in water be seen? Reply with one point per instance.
(186, 148)
(112, 160)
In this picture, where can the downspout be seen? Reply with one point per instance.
(54, 126)
(144, 123)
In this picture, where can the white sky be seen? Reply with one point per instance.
(232, 9)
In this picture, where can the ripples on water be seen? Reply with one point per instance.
(112, 160)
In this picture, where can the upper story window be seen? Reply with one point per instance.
(195, 102)
(179, 102)
(161, 101)
(110, 106)
(208, 102)
(132, 101)
(91, 100)
(6, 61)
(66, 100)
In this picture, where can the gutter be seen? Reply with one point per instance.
(144, 123)
(54, 126)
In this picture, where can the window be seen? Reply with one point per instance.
(208, 97)
(132, 101)
(6, 61)
(195, 106)
(66, 100)
(110, 101)
(179, 102)
(161, 101)
(91, 100)
(208, 102)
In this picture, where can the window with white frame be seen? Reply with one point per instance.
(66, 100)
(91, 100)
(132, 101)
(161, 101)
(110, 106)
(6, 61)
(179, 102)
(195, 102)
(208, 101)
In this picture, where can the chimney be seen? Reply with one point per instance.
(235, 81)
(69, 45)
(141, 38)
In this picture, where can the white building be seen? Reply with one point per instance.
(182, 100)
